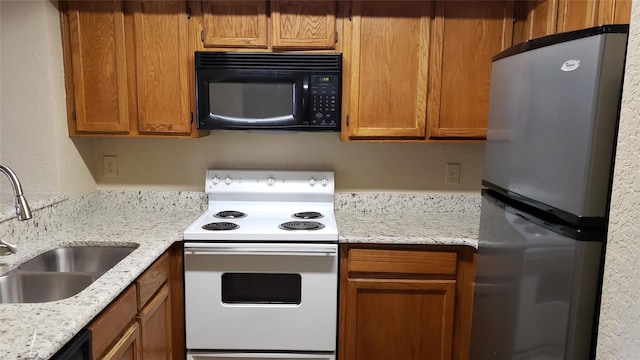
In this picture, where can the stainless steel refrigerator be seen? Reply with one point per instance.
(551, 136)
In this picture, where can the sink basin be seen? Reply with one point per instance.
(42, 287)
(59, 273)
(93, 259)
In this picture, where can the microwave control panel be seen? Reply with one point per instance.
(325, 100)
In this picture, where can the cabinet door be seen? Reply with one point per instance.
(576, 14)
(386, 62)
(162, 67)
(466, 35)
(155, 326)
(229, 23)
(534, 19)
(128, 347)
(614, 12)
(98, 66)
(304, 24)
(398, 319)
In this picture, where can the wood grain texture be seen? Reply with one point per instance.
(464, 303)
(112, 322)
(388, 69)
(576, 14)
(162, 69)
(155, 327)
(614, 12)
(98, 65)
(152, 279)
(229, 23)
(177, 301)
(128, 347)
(403, 261)
(466, 35)
(303, 24)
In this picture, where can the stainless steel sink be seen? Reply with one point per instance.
(93, 259)
(59, 273)
(42, 287)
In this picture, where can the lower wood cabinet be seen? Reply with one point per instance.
(142, 323)
(405, 302)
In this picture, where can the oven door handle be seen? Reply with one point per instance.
(262, 250)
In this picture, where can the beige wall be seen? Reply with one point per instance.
(33, 135)
(181, 163)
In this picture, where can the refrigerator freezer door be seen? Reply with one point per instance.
(552, 121)
(535, 290)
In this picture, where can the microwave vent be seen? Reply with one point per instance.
(271, 61)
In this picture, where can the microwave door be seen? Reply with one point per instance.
(250, 105)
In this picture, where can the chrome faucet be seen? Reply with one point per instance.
(22, 207)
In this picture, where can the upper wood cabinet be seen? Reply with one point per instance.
(421, 70)
(96, 71)
(385, 67)
(260, 24)
(465, 37)
(538, 18)
(128, 68)
(162, 68)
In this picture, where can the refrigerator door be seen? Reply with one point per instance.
(535, 290)
(552, 121)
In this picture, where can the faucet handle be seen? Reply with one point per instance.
(12, 248)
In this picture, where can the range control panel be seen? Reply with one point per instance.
(325, 100)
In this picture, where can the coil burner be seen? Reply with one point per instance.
(301, 225)
(220, 226)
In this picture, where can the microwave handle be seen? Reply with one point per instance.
(305, 94)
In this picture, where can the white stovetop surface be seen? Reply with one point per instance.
(262, 221)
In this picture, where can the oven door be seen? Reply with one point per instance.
(275, 297)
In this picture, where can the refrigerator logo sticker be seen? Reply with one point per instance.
(570, 65)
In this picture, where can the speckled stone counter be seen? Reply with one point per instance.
(155, 220)
(438, 219)
(37, 331)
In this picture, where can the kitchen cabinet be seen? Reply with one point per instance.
(465, 36)
(385, 67)
(145, 321)
(128, 68)
(282, 24)
(405, 302)
(421, 70)
(539, 18)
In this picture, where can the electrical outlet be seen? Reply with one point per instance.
(110, 166)
(452, 174)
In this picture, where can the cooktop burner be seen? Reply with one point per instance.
(230, 214)
(218, 226)
(307, 215)
(301, 225)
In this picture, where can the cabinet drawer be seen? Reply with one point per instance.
(112, 321)
(402, 261)
(152, 279)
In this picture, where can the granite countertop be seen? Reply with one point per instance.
(155, 220)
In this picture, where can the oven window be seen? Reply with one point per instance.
(260, 288)
(251, 100)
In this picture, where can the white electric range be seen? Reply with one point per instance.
(261, 267)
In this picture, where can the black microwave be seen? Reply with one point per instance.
(268, 91)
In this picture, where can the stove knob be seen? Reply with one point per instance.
(271, 181)
(312, 181)
(324, 182)
(215, 180)
(227, 180)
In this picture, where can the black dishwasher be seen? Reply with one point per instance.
(78, 348)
